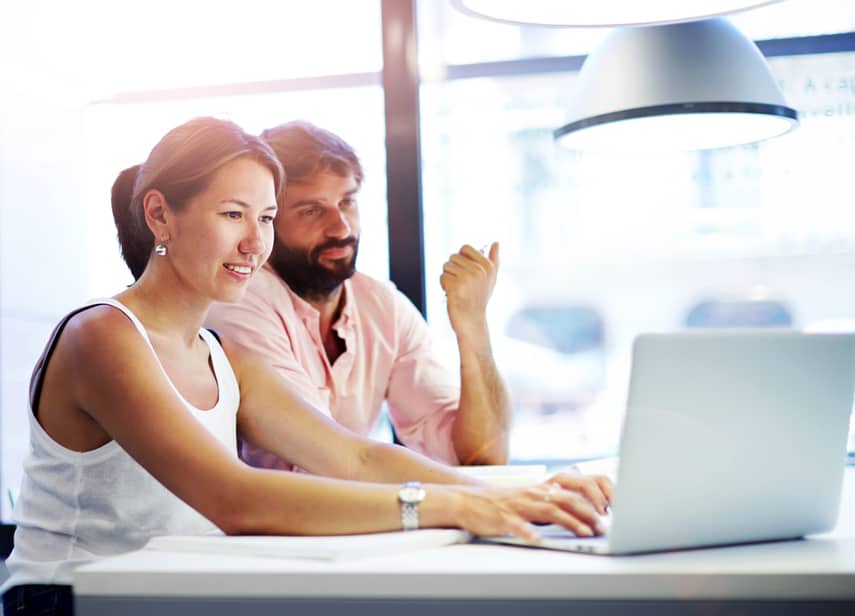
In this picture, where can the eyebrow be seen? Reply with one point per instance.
(318, 201)
(245, 204)
(303, 202)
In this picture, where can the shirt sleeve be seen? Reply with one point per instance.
(422, 396)
(256, 324)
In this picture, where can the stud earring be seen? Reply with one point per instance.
(160, 250)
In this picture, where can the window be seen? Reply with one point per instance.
(638, 240)
(142, 124)
(84, 102)
(595, 248)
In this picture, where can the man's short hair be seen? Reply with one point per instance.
(306, 150)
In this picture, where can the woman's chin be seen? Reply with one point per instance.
(230, 296)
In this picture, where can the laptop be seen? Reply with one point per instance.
(729, 437)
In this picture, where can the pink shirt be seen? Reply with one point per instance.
(387, 357)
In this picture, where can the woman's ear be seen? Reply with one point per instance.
(157, 215)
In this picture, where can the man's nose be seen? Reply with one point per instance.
(339, 226)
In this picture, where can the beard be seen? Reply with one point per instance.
(304, 272)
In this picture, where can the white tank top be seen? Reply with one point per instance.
(76, 507)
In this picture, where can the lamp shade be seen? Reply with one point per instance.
(683, 86)
(602, 13)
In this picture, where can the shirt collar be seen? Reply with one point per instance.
(305, 310)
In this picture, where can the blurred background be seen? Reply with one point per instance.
(595, 247)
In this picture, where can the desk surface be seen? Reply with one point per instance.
(820, 568)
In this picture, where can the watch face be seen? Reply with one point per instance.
(411, 493)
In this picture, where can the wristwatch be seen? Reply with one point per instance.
(410, 495)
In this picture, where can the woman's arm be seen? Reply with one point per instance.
(117, 381)
(272, 416)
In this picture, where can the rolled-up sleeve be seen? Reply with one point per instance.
(422, 395)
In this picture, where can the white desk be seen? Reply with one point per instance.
(814, 576)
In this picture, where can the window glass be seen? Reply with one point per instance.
(61, 149)
(104, 47)
(142, 124)
(117, 136)
(606, 246)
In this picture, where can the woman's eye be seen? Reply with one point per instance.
(233, 215)
(266, 219)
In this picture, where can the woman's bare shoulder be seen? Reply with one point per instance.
(100, 329)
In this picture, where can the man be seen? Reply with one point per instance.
(345, 341)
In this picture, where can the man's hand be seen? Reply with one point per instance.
(468, 278)
(481, 427)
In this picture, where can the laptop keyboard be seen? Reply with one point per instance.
(554, 531)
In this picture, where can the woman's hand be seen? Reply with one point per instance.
(572, 501)
(597, 489)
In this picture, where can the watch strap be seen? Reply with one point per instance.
(409, 497)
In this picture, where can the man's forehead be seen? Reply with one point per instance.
(322, 185)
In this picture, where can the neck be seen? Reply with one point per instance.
(329, 308)
(164, 307)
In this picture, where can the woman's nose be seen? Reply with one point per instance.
(253, 242)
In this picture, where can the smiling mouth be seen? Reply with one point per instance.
(238, 269)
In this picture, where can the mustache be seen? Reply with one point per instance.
(342, 243)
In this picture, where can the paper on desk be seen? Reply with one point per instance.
(328, 547)
(512, 475)
(516, 475)
(599, 466)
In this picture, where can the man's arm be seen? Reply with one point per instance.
(482, 424)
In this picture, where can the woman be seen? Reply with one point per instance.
(134, 407)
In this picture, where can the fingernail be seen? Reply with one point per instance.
(586, 532)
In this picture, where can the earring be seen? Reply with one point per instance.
(160, 250)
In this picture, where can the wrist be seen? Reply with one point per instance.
(475, 320)
(473, 337)
(410, 497)
(440, 507)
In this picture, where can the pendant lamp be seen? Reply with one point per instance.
(601, 13)
(681, 86)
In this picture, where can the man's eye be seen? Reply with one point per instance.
(310, 211)
(348, 203)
